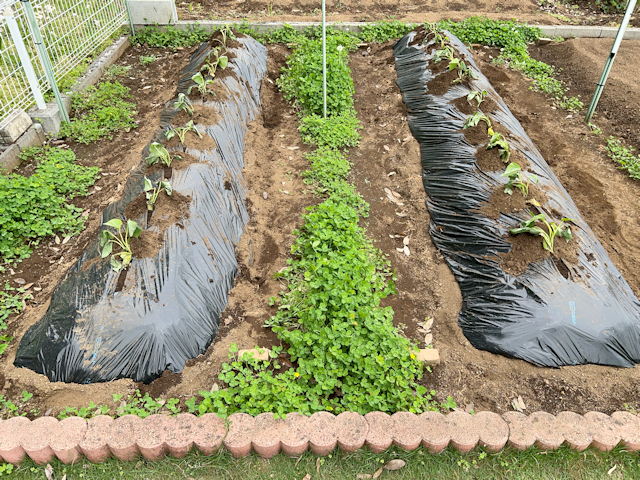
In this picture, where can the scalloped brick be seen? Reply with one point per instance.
(575, 430)
(521, 434)
(464, 432)
(152, 435)
(36, 437)
(407, 430)
(267, 432)
(94, 445)
(238, 439)
(603, 431)
(381, 431)
(494, 431)
(352, 431)
(627, 426)
(179, 440)
(295, 434)
(66, 438)
(322, 433)
(548, 434)
(435, 431)
(209, 430)
(122, 437)
(10, 433)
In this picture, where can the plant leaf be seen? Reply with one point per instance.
(107, 249)
(115, 223)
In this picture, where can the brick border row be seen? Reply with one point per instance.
(156, 436)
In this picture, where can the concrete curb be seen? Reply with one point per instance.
(565, 31)
(156, 436)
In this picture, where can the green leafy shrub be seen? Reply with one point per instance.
(336, 131)
(384, 31)
(99, 113)
(327, 165)
(302, 77)
(624, 157)
(36, 207)
(170, 37)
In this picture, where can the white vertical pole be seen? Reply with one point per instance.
(24, 57)
(324, 59)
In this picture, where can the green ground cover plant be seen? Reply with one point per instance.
(624, 157)
(99, 112)
(170, 37)
(36, 207)
(512, 38)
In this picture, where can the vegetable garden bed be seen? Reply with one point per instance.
(387, 158)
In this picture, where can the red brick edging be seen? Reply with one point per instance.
(156, 436)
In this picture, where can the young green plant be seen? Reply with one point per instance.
(181, 132)
(201, 84)
(212, 64)
(475, 119)
(498, 140)
(463, 70)
(477, 96)
(183, 103)
(124, 233)
(152, 192)
(553, 230)
(518, 180)
(157, 152)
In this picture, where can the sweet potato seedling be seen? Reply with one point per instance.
(463, 70)
(183, 103)
(213, 63)
(120, 238)
(201, 84)
(478, 96)
(498, 140)
(446, 52)
(152, 192)
(518, 180)
(181, 132)
(475, 119)
(157, 152)
(553, 230)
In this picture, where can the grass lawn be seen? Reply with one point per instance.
(509, 464)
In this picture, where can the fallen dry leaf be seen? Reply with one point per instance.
(318, 464)
(469, 407)
(428, 338)
(521, 403)
(390, 174)
(386, 147)
(363, 475)
(401, 214)
(406, 251)
(20, 281)
(57, 240)
(405, 241)
(48, 471)
(378, 473)
(65, 240)
(428, 324)
(28, 286)
(307, 477)
(396, 464)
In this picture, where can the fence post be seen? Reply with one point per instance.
(133, 32)
(16, 36)
(44, 58)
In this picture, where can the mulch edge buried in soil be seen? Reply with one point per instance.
(154, 437)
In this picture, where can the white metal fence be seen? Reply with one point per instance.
(70, 29)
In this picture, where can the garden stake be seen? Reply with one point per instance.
(609, 64)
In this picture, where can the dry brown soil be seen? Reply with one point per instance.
(542, 12)
(388, 157)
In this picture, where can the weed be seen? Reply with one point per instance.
(147, 59)
(553, 230)
(337, 131)
(36, 207)
(157, 152)
(92, 410)
(384, 31)
(170, 37)
(183, 103)
(115, 71)
(595, 129)
(99, 112)
(121, 238)
(517, 180)
(624, 157)
(152, 192)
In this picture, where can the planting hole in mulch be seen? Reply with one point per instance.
(274, 159)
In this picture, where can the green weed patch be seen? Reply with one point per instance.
(624, 157)
(99, 112)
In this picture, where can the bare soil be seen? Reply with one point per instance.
(388, 157)
(543, 12)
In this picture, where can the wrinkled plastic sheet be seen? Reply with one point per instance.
(168, 311)
(538, 316)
